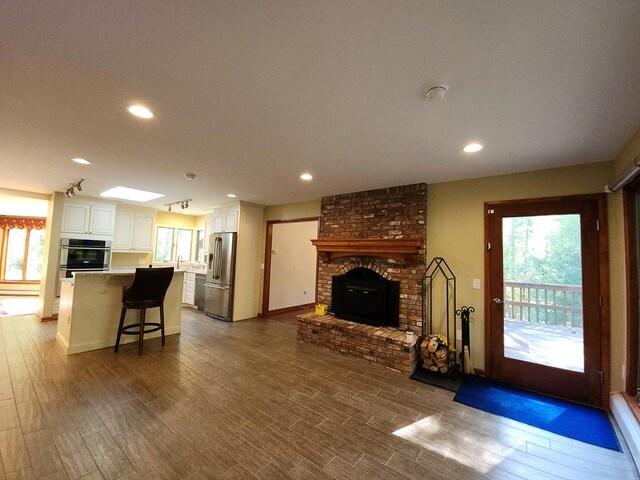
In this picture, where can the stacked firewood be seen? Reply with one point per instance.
(437, 354)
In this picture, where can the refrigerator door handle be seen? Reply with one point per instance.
(218, 251)
(218, 286)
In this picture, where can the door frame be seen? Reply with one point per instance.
(603, 267)
(630, 192)
(266, 283)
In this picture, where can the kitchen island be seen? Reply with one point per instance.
(90, 306)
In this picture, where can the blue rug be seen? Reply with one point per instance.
(579, 422)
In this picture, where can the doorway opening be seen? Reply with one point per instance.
(290, 265)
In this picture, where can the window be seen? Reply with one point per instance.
(172, 243)
(164, 245)
(22, 251)
(200, 247)
(183, 247)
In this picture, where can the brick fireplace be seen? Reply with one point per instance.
(389, 213)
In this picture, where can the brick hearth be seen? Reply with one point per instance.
(383, 345)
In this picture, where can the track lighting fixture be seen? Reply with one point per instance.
(183, 204)
(71, 191)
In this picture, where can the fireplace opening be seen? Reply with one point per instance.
(363, 296)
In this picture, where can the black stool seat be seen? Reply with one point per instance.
(147, 290)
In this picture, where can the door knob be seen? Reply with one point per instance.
(497, 300)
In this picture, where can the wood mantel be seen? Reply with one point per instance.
(399, 249)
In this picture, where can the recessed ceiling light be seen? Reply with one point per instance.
(140, 111)
(306, 177)
(81, 161)
(231, 195)
(472, 148)
(125, 193)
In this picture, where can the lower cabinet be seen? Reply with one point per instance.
(189, 289)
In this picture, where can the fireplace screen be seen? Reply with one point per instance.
(361, 295)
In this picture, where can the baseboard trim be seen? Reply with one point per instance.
(85, 347)
(289, 309)
(628, 423)
(19, 293)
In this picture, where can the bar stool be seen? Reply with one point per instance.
(147, 290)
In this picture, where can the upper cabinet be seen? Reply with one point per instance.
(134, 230)
(225, 219)
(88, 218)
(222, 219)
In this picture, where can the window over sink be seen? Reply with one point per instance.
(172, 243)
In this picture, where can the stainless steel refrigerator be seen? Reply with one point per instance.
(221, 266)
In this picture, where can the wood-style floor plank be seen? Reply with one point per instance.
(246, 400)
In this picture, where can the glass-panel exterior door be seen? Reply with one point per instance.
(545, 311)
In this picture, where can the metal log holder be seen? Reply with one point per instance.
(439, 266)
(464, 313)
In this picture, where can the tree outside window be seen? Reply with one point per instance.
(183, 247)
(164, 245)
(200, 246)
(172, 243)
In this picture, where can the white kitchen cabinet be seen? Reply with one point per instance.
(123, 233)
(75, 218)
(189, 289)
(231, 221)
(225, 219)
(133, 231)
(88, 218)
(143, 232)
(222, 219)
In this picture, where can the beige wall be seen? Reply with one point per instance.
(292, 211)
(455, 231)
(628, 155)
(51, 261)
(247, 282)
(177, 220)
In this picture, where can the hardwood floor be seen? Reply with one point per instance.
(245, 400)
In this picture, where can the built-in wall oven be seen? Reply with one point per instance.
(82, 255)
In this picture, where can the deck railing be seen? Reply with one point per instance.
(544, 303)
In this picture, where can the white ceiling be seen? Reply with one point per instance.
(248, 95)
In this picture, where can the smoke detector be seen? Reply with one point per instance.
(436, 92)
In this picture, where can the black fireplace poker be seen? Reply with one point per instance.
(464, 313)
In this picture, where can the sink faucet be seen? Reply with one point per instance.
(178, 260)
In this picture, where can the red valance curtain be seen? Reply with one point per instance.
(34, 223)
